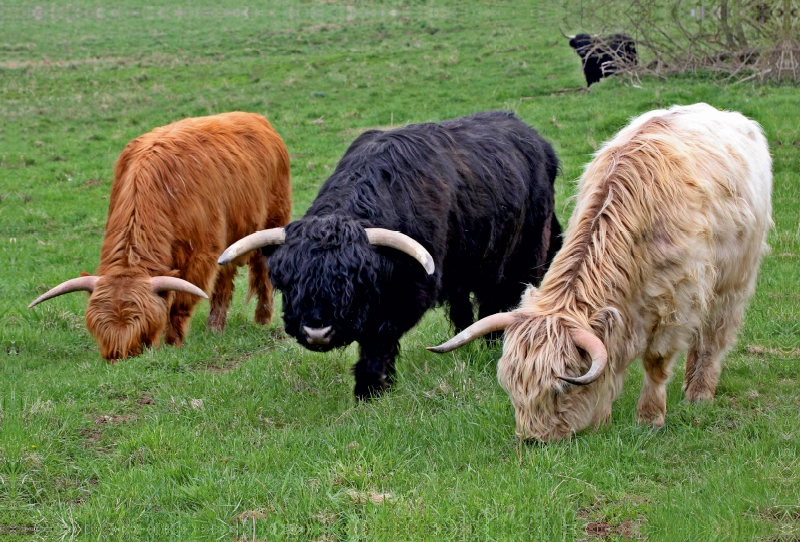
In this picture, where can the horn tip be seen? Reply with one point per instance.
(33, 304)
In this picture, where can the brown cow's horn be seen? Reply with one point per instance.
(403, 243)
(495, 322)
(272, 236)
(73, 285)
(565, 35)
(589, 342)
(174, 284)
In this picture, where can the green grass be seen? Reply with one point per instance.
(247, 436)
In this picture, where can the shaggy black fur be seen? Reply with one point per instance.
(604, 56)
(476, 192)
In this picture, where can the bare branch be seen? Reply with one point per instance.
(741, 39)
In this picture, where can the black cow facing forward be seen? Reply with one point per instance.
(470, 199)
(603, 56)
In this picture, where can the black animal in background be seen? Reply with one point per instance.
(603, 55)
(470, 199)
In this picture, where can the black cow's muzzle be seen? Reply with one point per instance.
(318, 336)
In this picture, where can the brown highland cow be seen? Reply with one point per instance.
(181, 194)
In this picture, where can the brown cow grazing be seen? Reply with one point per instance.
(181, 194)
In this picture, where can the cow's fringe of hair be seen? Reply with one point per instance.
(144, 316)
(547, 337)
(332, 271)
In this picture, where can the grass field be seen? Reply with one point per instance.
(246, 436)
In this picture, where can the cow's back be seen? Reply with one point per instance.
(461, 186)
(692, 185)
(197, 184)
(508, 184)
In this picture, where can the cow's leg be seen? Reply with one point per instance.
(261, 286)
(221, 298)
(652, 406)
(375, 369)
(602, 413)
(703, 368)
(461, 310)
(704, 359)
(501, 299)
(179, 315)
(200, 271)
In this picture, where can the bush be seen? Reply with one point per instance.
(740, 39)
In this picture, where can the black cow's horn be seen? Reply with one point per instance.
(272, 236)
(565, 35)
(402, 242)
(174, 284)
(73, 285)
(495, 322)
(596, 350)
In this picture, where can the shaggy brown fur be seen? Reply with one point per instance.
(661, 254)
(181, 194)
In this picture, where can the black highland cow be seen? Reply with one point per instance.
(470, 199)
(603, 56)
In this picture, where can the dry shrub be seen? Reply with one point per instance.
(740, 39)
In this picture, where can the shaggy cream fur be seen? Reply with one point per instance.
(661, 255)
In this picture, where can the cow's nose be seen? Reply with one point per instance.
(320, 335)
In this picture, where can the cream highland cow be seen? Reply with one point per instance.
(661, 256)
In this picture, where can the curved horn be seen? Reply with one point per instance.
(272, 236)
(73, 285)
(164, 284)
(565, 35)
(495, 322)
(402, 242)
(589, 342)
